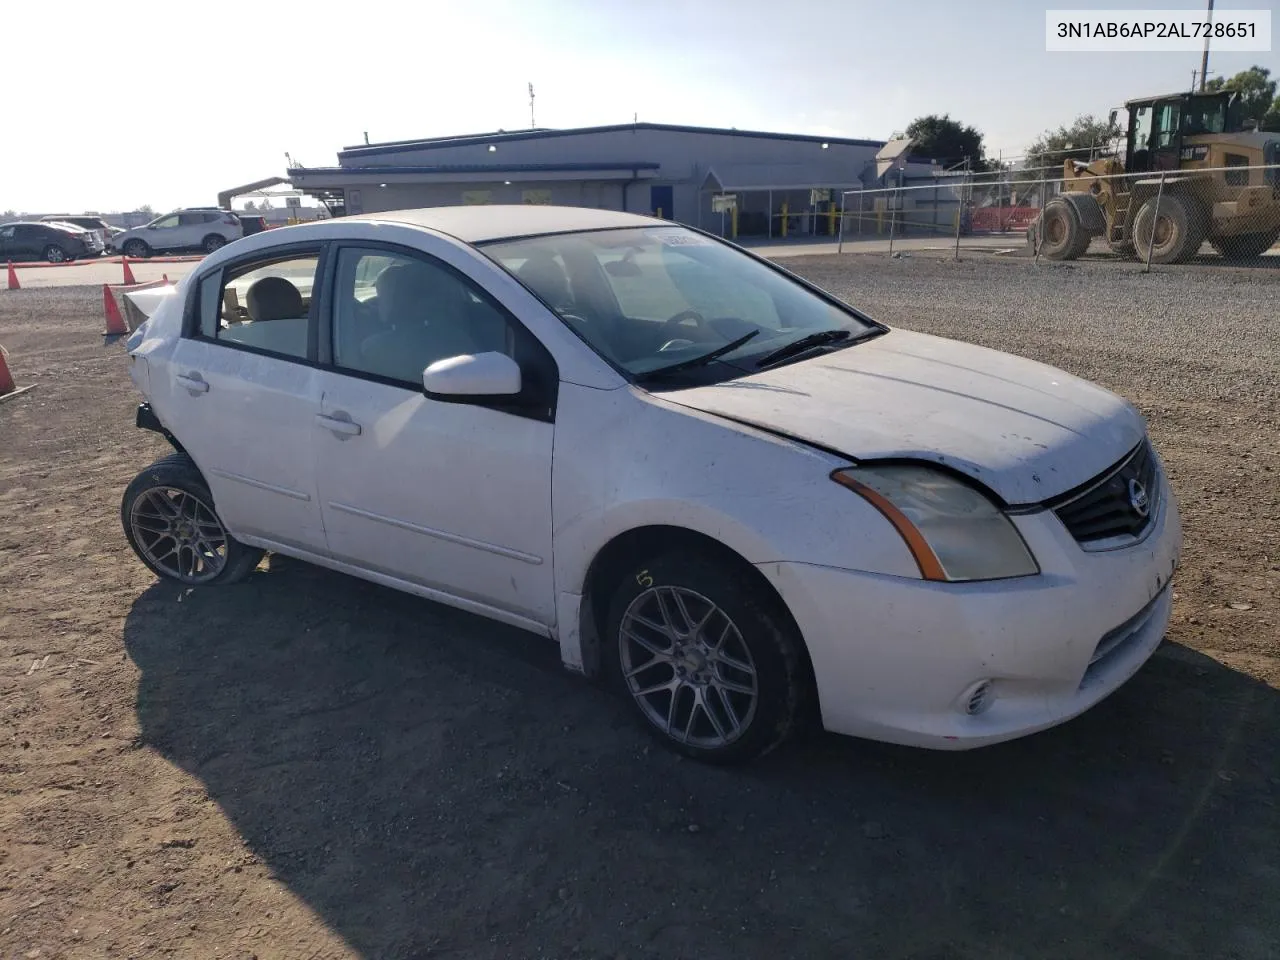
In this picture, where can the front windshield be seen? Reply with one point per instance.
(1204, 115)
(649, 298)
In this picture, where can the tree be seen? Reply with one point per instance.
(250, 207)
(1258, 100)
(146, 208)
(1077, 140)
(8, 215)
(947, 141)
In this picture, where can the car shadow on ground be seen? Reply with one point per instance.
(431, 783)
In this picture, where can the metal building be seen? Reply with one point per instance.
(782, 184)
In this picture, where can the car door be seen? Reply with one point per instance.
(453, 497)
(29, 241)
(245, 392)
(165, 233)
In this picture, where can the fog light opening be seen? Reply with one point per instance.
(978, 698)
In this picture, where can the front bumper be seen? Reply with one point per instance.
(894, 658)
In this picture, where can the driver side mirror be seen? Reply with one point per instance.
(472, 375)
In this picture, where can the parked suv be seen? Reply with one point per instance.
(195, 228)
(55, 242)
(96, 225)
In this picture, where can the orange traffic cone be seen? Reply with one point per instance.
(7, 388)
(115, 322)
(13, 278)
(6, 378)
(128, 274)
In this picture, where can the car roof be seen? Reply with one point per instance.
(484, 222)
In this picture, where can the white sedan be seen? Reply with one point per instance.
(740, 500)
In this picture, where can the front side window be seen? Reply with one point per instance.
(166, 223)
(6, 233)
(1167, 124)
(394, 315)
(265, 306)
(653, 297)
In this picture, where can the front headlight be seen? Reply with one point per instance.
(953, 531)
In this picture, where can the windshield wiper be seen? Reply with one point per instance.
(796, 347)
(703, 360)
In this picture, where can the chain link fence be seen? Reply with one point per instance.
(1226, 214)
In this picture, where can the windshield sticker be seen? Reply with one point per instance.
(681, 240)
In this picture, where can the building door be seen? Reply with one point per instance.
(661, 202)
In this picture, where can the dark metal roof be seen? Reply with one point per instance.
(493, 168)
(480, 139)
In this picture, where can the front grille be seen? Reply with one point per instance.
(1109, 510)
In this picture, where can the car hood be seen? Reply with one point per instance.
(1025, 430)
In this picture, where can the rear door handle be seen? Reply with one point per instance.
(339, 426)
(194, 383)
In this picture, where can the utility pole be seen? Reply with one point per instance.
(533, 125)
(1204, 61)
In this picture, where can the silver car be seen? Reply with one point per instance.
(199, 228)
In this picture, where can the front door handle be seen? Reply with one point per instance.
(194, 383)
(339, 426)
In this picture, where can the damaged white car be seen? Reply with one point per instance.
(738, 499)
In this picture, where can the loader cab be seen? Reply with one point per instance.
(1158, 125)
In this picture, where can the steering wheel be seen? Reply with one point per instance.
(676, 323)
(683, 315)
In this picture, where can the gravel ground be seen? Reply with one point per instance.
(307, 766)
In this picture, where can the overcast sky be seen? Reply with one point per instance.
(111, 105)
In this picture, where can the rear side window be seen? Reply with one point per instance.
(265, 306)
(190, 219)
(212, 217)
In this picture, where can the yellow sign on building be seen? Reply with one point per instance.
(536, 196)
(471, 197)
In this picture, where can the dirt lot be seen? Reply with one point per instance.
(307, 766)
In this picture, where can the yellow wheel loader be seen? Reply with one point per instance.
(1194, 142)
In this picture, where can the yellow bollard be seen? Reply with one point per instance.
(733, 223)
(659, 213)
(879, 221)
(784, 219)
(831, 219)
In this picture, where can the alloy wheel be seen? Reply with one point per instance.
(687, 667)
(179, 534)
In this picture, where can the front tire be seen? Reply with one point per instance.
(170, 522)
(55, 254)
(136, 250)
(1175, 236)
(713, 665)
(1063, 236)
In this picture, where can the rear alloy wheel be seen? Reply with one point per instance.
(137, 250)
(1064, 237)
(1246, 246)
(1173, 237)
(713, 668)
(170, 521)
(213, 242)
(55, 254)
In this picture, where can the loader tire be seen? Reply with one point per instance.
(1063, 237)
(1175, 237)
(1246, 246)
